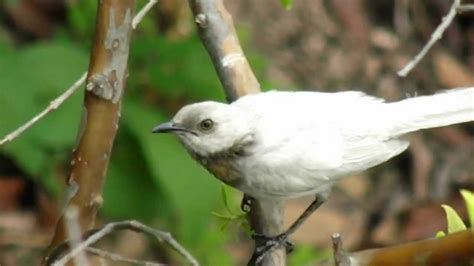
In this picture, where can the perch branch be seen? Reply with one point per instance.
(63, 97)
(217, 33)
(435, 36)
(452, 249)
(95, 235)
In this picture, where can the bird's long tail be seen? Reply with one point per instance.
(446, 108)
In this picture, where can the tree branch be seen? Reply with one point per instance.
(74, 233)
(452, 249)
(95, 235)
(141, 14)
(105, 85)
(435, 36)
(51, 107)
(120, 258)
(217, 32)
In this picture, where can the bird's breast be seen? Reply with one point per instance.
(223, 168)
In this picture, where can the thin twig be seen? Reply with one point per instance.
(435, 36)
(97, 234)
(74, 233)
(51, 107)
(120, 258)
(63, 97)
(141, 14)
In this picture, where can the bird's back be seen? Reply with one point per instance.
(306, 140)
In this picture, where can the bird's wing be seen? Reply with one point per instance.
(295, 129)
(330, 133)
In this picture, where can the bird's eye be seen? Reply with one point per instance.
(206, 124)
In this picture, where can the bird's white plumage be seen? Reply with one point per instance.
(302, 142)
(308, 139)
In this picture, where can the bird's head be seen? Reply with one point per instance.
(207, 128)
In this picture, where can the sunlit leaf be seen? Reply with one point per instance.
(440, 234)
(455, 223)
(288, 4)
(192, 191)
(469, 199)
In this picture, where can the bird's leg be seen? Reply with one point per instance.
(269, 243)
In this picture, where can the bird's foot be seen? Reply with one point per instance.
(267, 244)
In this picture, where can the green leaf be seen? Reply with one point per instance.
(288, 4)
(455, 223)
(192, 191)
(225, 198)
(440, 234)
(223, 216)
(469, 199)
(81, 15)
(129, 175)
(176, 69)
(30, 79)
(308, 255)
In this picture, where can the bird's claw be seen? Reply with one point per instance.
(268, 244)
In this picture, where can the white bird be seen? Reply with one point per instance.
(292, 144)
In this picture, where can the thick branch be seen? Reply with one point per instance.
(105, 84)
(218, 35)
(453, 249)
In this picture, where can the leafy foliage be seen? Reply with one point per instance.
(469, 199)
(232, 214)
(31, 77)
(455, 223)
(288, 4)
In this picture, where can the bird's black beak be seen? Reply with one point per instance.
(169, 127)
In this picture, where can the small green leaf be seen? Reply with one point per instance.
(223, 216)
(224, 225)
(440, 234)
(224, 198)
(469, 199)
(455, 223)
(288, 4)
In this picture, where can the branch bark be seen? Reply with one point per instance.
(217, 32)
(105, 85)
(452, 249)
